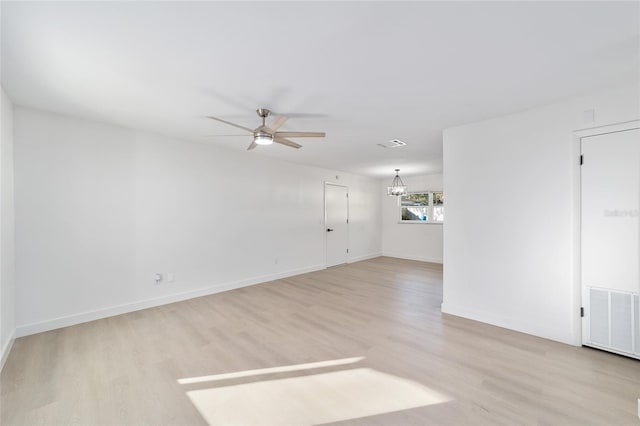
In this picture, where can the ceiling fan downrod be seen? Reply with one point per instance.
(263, 113)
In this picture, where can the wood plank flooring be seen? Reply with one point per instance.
(125, 370)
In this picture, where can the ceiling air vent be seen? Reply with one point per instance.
(393, 143)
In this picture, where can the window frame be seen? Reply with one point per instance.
(430, 210)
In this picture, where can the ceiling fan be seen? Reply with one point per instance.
(266, 135)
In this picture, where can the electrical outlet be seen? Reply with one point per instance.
(275, 261)
(170, 277)
(157, 277)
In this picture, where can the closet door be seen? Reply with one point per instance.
(611, 241)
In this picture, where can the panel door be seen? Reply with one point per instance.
(337, 224)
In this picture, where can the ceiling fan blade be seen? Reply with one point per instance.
(300, 134)
(277, 123)
(287, 142)
(230, 123)
(223, 136)
(253, 145)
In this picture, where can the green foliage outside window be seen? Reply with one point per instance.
(415, 199)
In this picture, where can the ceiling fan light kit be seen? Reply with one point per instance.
(266, 135)
(262, 138)
(397, 186)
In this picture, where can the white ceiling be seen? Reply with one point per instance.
(366, 72)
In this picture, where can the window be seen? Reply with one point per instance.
(422, 207)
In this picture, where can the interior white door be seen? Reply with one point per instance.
(337, 224)
(611, 241)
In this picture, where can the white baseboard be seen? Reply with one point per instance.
(66, 321)
(506, 322)
(7, 348)
(365, 257)
(410, 257)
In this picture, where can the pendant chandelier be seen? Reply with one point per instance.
(397, 187)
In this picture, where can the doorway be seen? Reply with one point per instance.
(336, 220)
(610, 240)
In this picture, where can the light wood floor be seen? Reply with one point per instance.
(125, 369)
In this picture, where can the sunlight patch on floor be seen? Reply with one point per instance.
(272, 370)
(312, 399)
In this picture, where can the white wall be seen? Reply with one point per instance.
(7, 248)
(100, 209)
(510, 249)
(416, 241)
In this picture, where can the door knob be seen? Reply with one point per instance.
(329, 230)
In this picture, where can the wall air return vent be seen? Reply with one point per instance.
(393, 143)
